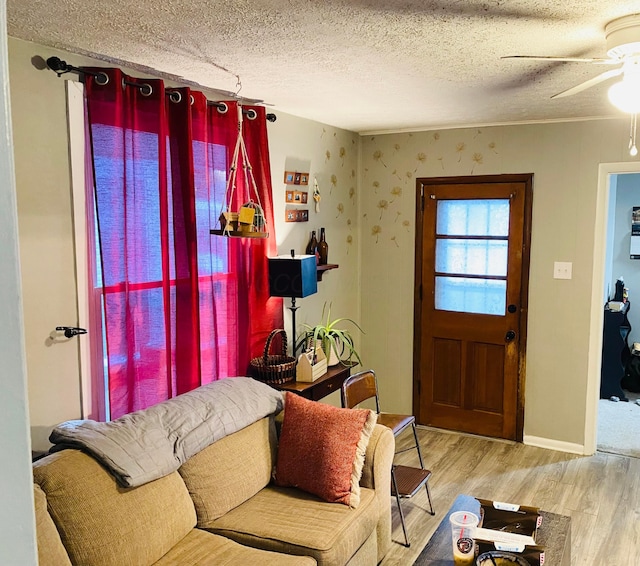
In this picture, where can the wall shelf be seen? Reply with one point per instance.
(327, 267)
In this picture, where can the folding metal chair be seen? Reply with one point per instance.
(406, 481)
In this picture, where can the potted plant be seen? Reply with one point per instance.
(337, 344)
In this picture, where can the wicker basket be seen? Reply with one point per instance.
(274, 368)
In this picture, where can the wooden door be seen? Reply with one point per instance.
(472, 264)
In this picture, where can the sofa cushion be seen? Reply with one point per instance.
(322, 449)
(51, 551)
(231, 470)
(294, 522)
(206, 549)
(103, 524)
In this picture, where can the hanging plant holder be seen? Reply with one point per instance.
(249, 221)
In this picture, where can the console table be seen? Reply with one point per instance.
(554, 534)
(321, 387)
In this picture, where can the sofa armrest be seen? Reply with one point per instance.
(378, 459)
(376, 474)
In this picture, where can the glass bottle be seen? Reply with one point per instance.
(323, 248)
(312, 245)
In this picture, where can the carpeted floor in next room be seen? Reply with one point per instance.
(619, 426)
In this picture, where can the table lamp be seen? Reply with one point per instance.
(293, 276)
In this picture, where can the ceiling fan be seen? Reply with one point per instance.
(623, 49)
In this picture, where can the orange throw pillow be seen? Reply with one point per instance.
(321, 449)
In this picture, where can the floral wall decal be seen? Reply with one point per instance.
(477, 159)
(334, 183)
(340, 208)
(382, 205)
(327, 155)
(392, 163)
(377, 156)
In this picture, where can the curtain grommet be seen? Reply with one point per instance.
(102, 79)
(191, 99)
(175, 96)
(252, 114)
(146, 89)
(222, 107)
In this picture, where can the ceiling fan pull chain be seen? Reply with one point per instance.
(633, 150)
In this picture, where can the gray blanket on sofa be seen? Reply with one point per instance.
(146, 445)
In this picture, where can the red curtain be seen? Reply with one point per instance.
(181, 307)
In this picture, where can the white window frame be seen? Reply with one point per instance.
(76, 131)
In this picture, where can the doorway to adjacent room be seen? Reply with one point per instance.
(618, 429)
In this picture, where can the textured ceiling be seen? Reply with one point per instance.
(363, 65)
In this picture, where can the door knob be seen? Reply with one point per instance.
(510, 335)
(71, 331)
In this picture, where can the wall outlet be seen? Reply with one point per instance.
(562, 269)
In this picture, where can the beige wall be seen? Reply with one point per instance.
(46, 226)
(46, 239)
(331, 155)
(564, 159)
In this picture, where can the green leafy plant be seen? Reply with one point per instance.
(326, 332)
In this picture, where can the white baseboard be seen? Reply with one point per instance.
(551, 444)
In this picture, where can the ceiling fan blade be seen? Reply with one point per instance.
(588, 84)
(569, 59)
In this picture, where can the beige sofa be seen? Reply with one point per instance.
(219, 508)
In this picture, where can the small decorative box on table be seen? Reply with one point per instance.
(311, 366)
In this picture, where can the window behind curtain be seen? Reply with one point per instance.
(153, 272)
(213, 261)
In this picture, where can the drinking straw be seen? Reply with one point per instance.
(464, 520)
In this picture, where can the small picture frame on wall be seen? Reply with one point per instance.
(296, 178)
(296, 197)
(294, 215)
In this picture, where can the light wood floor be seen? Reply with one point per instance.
(601, 493)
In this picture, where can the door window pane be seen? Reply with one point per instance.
(472, 257)
(487, 217)
(463, 294)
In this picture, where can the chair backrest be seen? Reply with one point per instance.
(358, 388)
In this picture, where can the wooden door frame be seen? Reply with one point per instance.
(527, 179)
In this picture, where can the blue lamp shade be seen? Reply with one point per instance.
(293, 276)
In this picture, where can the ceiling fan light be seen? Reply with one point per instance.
(625, 95)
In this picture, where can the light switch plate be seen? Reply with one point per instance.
(562, 269)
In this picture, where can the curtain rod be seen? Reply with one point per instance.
(61, 67)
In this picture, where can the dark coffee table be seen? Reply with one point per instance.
(554, 534)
